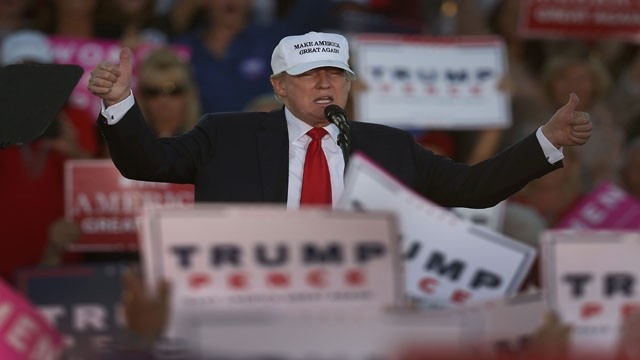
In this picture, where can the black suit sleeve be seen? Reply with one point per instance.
(484, 184)
(139, 155)
(442, 180)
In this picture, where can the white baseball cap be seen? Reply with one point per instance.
(300, 53)
(26, 46)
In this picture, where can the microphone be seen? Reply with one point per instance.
(336, 115)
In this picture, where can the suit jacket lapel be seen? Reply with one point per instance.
(356, 144)
(273, 146)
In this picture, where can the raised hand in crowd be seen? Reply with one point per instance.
(629, 338)
(550, 340)
(145, 314)
(62, 233)
(67, 142)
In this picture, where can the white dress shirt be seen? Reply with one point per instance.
(298, 143)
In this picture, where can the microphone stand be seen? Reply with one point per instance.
(337, 116)
(344, 141)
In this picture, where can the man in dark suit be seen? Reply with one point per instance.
(259, 157)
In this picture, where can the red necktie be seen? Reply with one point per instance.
(316, 182)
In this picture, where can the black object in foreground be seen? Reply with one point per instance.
(31, 95)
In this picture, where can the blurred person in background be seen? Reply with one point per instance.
(362, 16)
(629, 169)
(167, 94)
(525, 59)
(474, 146)
(263, 103)
(31, 180)
(132, 22)
(233, 51)
(554, 194)
(13, 16)
(625, 95)
(69, 18)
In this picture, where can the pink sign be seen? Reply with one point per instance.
(590, 19)
(105, 204)
(88, 54)
(24, 332)
(606, 207)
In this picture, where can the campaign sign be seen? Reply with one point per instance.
(248, 257)
(82, 302)
(607, 207)
(417, 82)
(104, 203)
(590, 279)
(587, 19)
(341, 336)
(448, 261)
(24, 332)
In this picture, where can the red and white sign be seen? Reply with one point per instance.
(422, 82)
(105, 204)
(448, 261)
(591, 280)
(587, 19)
(607, 207)
(262, 257)
(24, 332)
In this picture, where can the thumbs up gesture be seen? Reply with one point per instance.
(568, 127)
(112, 82)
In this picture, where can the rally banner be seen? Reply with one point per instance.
(105, 204)
(394, 335)
(586, 19)
(24, 332)
(88, 53)
(417, 82)
(497, 330)
(266, 257)
(83, 302)
(590, 279)
(448, 261)
(606, 207)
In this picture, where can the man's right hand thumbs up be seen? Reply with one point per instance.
(112, 82)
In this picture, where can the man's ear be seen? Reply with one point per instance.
(278, 86)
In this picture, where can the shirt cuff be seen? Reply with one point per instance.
(116, 112)
(552, 154)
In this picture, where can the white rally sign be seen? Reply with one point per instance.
(591, 279)
(252, 257)
(334, 336)
(448, 261)
(426, 82)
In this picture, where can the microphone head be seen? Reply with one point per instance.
(333, 110)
